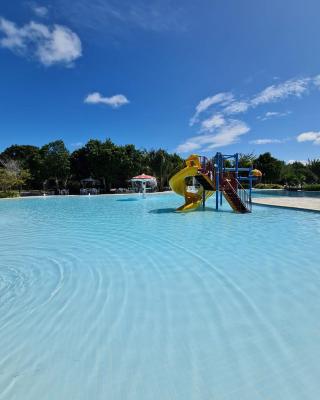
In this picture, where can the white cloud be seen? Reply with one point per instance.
(225, 105)
(273, 114)
(188, 146)
(213, 122)
(114, 17)
(14, 39)
(62, 45)
(40, 11)
(316, 81)
(115, 101)
(304, 162)
(273, 93)
(237, 107)
(222, 98)
(209, 101)
(229, 134)
(77, 145)
(224, 136)
(270, 114)
(311, 136)
(50, 45)
(266, 141)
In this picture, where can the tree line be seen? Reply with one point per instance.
(275, 171)
(53, 166)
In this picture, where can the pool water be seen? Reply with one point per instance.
(119, 297)
(284, 193)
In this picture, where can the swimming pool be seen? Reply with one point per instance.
(118, 297)
(286, 193)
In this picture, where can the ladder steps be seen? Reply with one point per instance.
(236, 201)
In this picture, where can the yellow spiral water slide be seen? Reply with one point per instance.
(179, 186)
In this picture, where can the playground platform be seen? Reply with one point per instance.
(296, 203)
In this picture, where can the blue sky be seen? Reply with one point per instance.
(186, 76)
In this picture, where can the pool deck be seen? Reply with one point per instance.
(296, 203)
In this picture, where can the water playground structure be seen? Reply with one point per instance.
(143, 182)
(202, 177)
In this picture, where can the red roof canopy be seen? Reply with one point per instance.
(144, 176)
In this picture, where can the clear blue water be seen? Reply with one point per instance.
(286, 193)
(121, 298)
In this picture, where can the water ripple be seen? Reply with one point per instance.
(100, 298)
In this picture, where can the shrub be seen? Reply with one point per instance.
(7, 194)
(268, 186)
(311, 187)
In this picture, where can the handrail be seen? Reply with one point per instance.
(241, 193)
(244, 196)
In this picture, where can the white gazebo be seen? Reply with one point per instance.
(143, 180)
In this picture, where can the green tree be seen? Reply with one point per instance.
(12, 176)
(56, 162)
(79, 164)
(297, 174)
(314, 167)
(102, 161)
(162, 165)
(29, 158)
(246, 160)
(270, 168)
(129, 163)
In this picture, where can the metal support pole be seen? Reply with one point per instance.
(237, 168)
(217, 171)
(204, 199)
